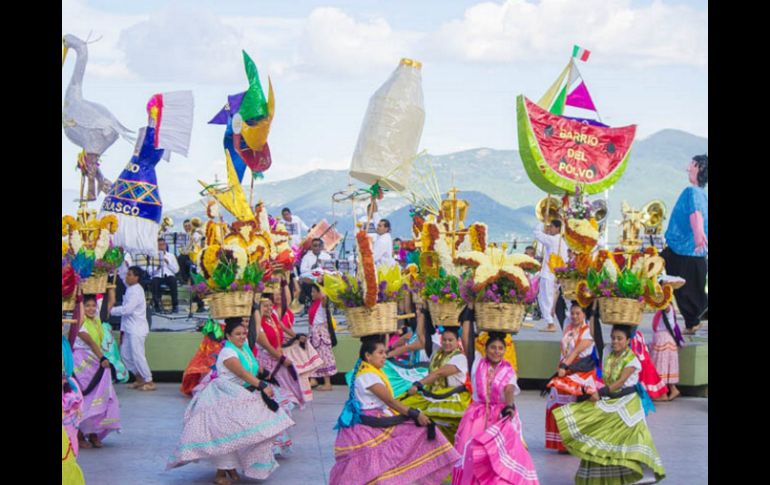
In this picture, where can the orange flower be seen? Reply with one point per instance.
(367, 265)
(601, 257)
(663, 301)
(584, 295)
(583, 262)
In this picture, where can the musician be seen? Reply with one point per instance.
(294, 226)
(164, 272)
(383, 245)
(552, 242)
(312, 261)
(189, 255)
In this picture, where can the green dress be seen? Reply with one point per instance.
(445, 412)
(610, 436)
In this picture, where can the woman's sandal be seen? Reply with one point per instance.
(95, 441)
(222, 479)
(233, 475)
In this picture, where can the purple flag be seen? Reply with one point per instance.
(234, 100)
(579, 98)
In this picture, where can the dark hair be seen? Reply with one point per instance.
(574, 304)
(452, 330)
(529, 247)
(625, 329)
(89, 297)
(397, 239)
(556, 223)
(136, 271)
(185, 221)
(161, 239)
(386, 222)
(495, 336)
(232, 323)
(369, 345)
(285, 209)
(317, 239)
(702, 161)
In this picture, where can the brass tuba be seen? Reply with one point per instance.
(553, 210)
(654, 213)
(599, 210)
(165, 224)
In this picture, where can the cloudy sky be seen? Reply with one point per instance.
(648, 65)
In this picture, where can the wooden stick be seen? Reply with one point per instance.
(406, 315)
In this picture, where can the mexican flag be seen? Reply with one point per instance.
(580, 53)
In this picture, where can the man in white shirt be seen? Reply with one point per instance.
(312, 261)
(164, 272)
(294, 226)
(382, 246)
(552, 242)
(133, 328)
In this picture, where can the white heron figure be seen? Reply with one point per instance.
(87, 124)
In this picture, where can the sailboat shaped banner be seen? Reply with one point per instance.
(561, 152)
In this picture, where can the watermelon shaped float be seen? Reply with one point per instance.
(561, 152)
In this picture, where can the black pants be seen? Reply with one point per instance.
(691, 298)
(169, 281)
(184, 267)
(561, 309)
(304, 292)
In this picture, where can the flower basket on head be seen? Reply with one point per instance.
(499, 317)
(94, 284)
(68, 304)
(621, 311)
(228, 304)
(569, 288)
(363, 321)
(445, 313)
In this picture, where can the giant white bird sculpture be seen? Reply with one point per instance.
(87, 124)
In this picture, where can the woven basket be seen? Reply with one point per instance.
(569, 288)
(364, 321)
(68, 304)
(231, 304)
(499, 317)
(443, 313)
(94, 284)
(621, 311)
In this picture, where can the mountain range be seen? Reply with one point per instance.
(494, 183)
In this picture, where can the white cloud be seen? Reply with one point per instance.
(334, 41)
(518, 30)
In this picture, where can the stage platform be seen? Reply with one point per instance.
(174, 339)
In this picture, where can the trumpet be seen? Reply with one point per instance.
(599, 209)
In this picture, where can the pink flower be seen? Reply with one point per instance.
(434, 298)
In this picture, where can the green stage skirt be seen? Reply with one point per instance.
(446, 413)
(611, 439)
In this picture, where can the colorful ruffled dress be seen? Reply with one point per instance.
(610, 436)
(493, 448)
(649, 376)
(305, 359)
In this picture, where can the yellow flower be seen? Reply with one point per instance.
(493, 264)
(208, 259)
(241, 258)
(555, 261)
(109, 222)
(392, 275)
(581, 235)
(64, 248)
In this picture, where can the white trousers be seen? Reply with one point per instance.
(132, 353)
(545, 298)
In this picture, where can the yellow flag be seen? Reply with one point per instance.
(233, 198)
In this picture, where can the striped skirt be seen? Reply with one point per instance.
(446, 413)
(225, 423)
(611, 439)
(396, 455)
(665, 356)
(496, 453)
(306, 361)
(100, 409)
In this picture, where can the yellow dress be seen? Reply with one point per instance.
(71, 474)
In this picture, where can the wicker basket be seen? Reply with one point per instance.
(231, 304)
(621, 311)
(68, 304)
(569, 288)
(94, 284)
(364, 321)
(499, 317)
(443, 313)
